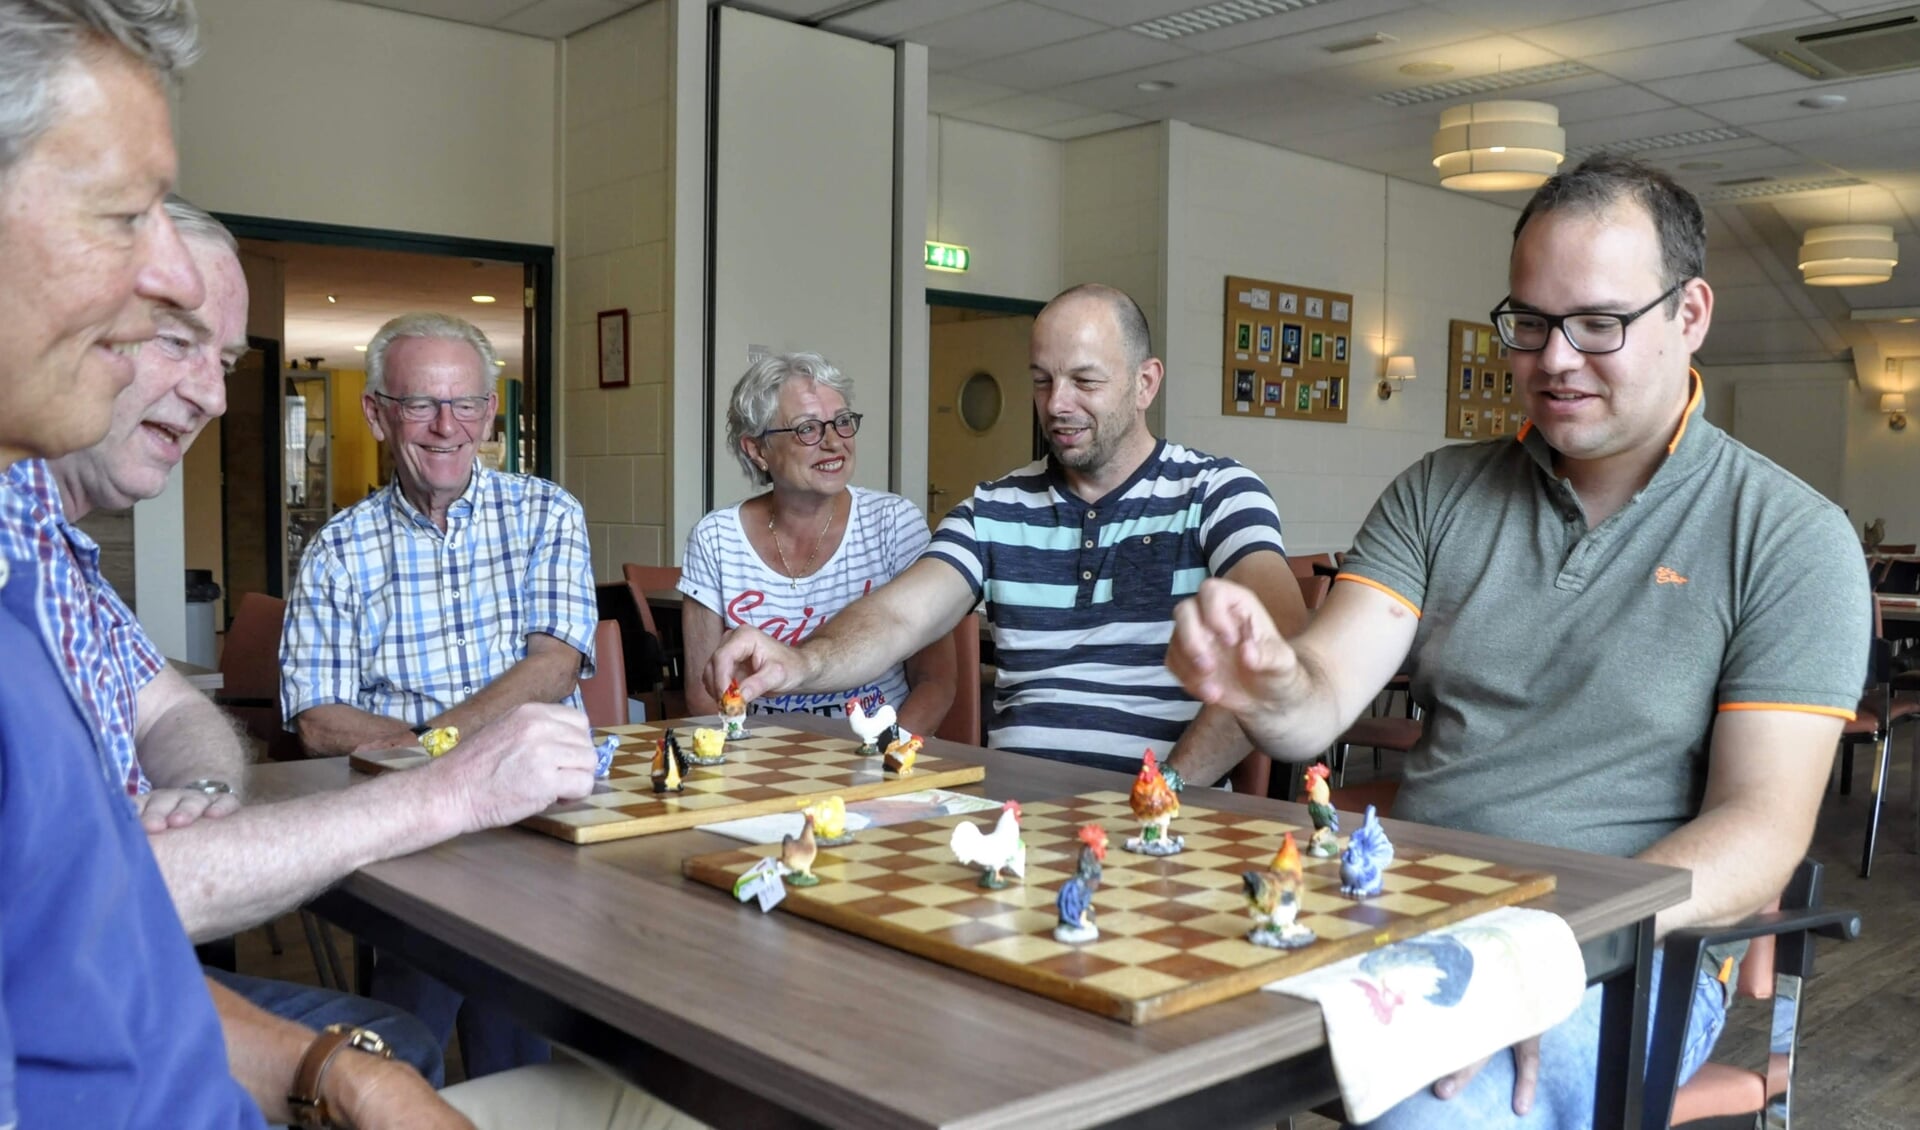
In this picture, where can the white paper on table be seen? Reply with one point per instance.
(1402, 1016)
(926, 804)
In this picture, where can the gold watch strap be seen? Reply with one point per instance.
(308, 1107)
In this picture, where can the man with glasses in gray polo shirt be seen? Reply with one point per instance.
(1632, 635)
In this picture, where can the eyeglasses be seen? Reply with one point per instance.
(1587, 331)
(809, 433)
(420, 409)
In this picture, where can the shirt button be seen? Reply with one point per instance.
(468, 689)
(1087, 576)
(462, 641)
(1089, 543)
(1092, 514)
(1148, 540)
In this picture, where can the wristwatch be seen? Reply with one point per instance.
(309, 1108)
(210, 786)
(1173, 778)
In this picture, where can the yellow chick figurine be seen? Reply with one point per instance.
(438, 742)
(709, 746)
(829, 821)
(901, 755)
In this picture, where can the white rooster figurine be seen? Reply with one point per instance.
(993, 852)
(870, 726)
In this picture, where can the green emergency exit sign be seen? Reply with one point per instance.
(947, 257)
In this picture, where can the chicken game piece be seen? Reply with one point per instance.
(1325, 841)
(1366, 859)
(797, 854)
(709, 746)
(669, 767)
(603, 750)
(901, 755)
(993, 852)
(870, 726)
(1273, 897)
(733, 712)
(1075, 900)
(829, 821)
(1156, 804)
(440, 741)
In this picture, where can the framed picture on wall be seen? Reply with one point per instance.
(1506, 384)
(1335, 391)
(1337, 311)
(1318, 347)
(613, 348)
(1243, 384)
(1316, 306)
(1266, 338)
(1466, 380)
(1290, 344)
(1340, 347)
(1289, 303)
(1466, 419)
(1243, 337)
(1273, 392)
(1303, 398)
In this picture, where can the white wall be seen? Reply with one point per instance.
(1002, 195)
(1117, 228)
(1241, 208)
(347, 114)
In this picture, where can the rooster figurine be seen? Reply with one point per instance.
(797, 854)
(1273, 896)
(669, 768)
(993, 852)
(901, 755)
(1156, 804)
(1366, 859)
(869, 726)
(1325, 841)
(1075, 900)
(733, 712)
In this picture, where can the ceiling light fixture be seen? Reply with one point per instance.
(359, 349)
(1848, 255)
(1480, 84)
(1498, 146)
(1894, 404)
(1213, 17)
(484, 299)
(1425, 69)
(331, 300)
(1153, 85)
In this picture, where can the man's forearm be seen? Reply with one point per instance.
(336, 728)
(549, 676)
(193, 744)
(230, 874)
(1211, 746)
(1740, 861)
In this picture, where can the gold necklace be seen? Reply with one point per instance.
(793, 580)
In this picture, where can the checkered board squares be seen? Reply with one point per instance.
(1172, 930)
(775, 770)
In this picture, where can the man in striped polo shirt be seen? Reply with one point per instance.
(1080, 558)
(1632, 634)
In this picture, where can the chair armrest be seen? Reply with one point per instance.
(1322, 569)
(1828, 922)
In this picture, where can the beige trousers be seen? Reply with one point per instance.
(562, 1096)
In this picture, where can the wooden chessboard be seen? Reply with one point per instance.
(774, 770)
(1172, 930)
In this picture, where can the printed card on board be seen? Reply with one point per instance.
(1274, 392)
(1243, 384)
(1466, 380)
(1339, 312)
(1317, 347)
(1266, 338)
(1243, 337)
(1290, 335)
(1289, 303)
(1336, 392)
(1340, 347)
(1303, 397)
(1316, 306)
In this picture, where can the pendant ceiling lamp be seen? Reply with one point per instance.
(1848, 255)
(1498, 146)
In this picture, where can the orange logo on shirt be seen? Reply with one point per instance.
(1666, 576)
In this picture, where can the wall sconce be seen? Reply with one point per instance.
(1399, 368)
(1894, 404)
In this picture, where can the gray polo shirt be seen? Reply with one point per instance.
(1572, 676)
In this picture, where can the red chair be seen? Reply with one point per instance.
(605, 694)
(963, 722)
(1776, 968)
(250, 674)
(1314, 588)
(1880, 708)
(661, 691)
(1311, 564)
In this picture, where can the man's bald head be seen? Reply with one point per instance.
(1129, 321)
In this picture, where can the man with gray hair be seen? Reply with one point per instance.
(445, 599)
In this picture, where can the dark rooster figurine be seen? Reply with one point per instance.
(1075, 901)
(1273, 897)
(1366, 859)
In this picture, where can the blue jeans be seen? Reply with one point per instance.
(316, 1008)
(1569, 1061)
(490, 1038)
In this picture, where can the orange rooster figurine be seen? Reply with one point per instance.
(1273, 897)
(1156, 804)
(798, 852)
(733, 712)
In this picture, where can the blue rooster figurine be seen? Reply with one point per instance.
(1366, 859)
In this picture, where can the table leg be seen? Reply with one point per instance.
(1622, 1069)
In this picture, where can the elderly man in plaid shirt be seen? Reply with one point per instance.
(447, 598)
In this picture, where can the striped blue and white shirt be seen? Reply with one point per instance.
(393, 617)
(1080, 595)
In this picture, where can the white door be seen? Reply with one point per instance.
(979, 403)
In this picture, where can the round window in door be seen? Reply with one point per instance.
(980, 403)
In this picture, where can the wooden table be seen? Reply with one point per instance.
(1899, 607)
(744, 1019)
(200, 678)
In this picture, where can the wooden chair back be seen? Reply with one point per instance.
(1314, 589)
(964, 720)
(1304, 564)
(641, 578)
(605, 694)
(250, 673)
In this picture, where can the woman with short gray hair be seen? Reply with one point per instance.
(786, 560)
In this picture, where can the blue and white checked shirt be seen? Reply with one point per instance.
(105, 656)
(393, 617)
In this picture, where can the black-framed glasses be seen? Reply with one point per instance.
(420, 409)
(1589, 331)
(809, 433)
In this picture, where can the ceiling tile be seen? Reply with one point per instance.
(1021, 112)
(1413, 29)
(1750, 303)
(1734, 82)
(1631, 127)
(1734, 267)
(1193, 73)
(947, 93)
(997, 31)
(1086, 127)
(1121, 13)
(1514, 15)
(1470, 58)
(1076, 60)
(1843, 206)
(1866, 94)
(1821, 125)
(1664, 23)
(1674, 58)
(791, 9)
(557, 19)
(480, 12)
(1357, 17)
(891, 19)
(1611, 100)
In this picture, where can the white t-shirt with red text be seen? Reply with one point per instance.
(885, 534)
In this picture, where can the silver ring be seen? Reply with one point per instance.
(210, 786)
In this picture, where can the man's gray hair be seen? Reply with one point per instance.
(193, 223)
(428, 324)
(756, 397)
(39, 37)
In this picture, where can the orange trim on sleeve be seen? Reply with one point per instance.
(1693, 402)
(1522, 433)
(1373, 584)
(1797, 707)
